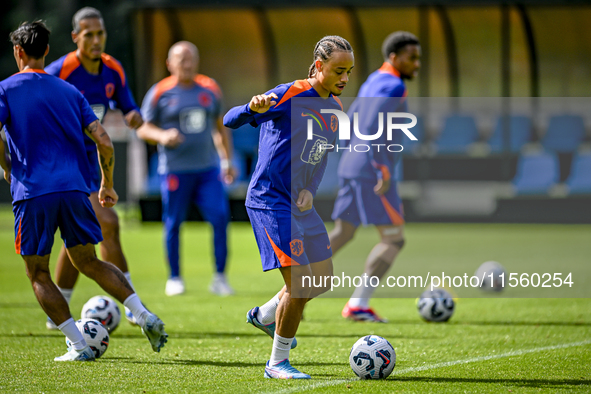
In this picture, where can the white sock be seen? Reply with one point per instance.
(67, 293)
(362, 295)
(128, 277)
(266, 314)
(359, 302)
(136, 307)
(73, 334)
(281, 347)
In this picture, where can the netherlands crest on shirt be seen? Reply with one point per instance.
(313, 150)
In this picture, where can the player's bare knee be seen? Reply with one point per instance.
(392, 232)
(298, 294)
(393, 236)
(109, 222)
(342, 232)
(85, 265)
(37, 268)
(84, 258)
(37, 273)
(317, 284)
(397, 243)
(326, 286)
(345, 235)
(348, 236)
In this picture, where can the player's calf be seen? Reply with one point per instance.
(322, 273)
(47, 293)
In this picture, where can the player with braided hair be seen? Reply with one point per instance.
(290, 235)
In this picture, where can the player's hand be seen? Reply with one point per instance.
(229, 175)
(381, 187)
(262, 102)
(172, 138)
(107, 197)
(8, 165)
(7, 174)
(134, 119)
(305, 200)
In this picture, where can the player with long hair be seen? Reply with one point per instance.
(290, 235)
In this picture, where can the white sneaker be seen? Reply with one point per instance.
(284, 370)
(130, 317)
(85, 354)
(174, 286)
(219, 286)
(153, 329)
(50, 324)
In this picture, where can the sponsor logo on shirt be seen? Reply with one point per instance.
(193, 120)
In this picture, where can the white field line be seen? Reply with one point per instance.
(438, 365)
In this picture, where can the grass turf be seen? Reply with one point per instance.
(489, 345)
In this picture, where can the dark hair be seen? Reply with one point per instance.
(33, 37)
(396, 41)
(325, 48)
(84, 13)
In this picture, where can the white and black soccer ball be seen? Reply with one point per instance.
(436, 305)
(485, 281)
(95, 335)
(372, 357)
(103, 309)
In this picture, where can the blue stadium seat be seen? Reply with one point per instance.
(564, 133)
(536, 173)
(579, 180)
(246, 145)
(520, 129)
(246, 139)
(399, 171)
(458, 133)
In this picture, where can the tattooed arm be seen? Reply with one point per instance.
(107, 195)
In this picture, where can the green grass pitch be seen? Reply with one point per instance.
(489, 345)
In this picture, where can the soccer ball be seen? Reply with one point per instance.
(485, 271)
(95, 335)
(103, 309)
(372, 357)
(436, 305)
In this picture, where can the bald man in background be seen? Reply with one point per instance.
(182, 115)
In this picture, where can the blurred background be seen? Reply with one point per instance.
(503, 95)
